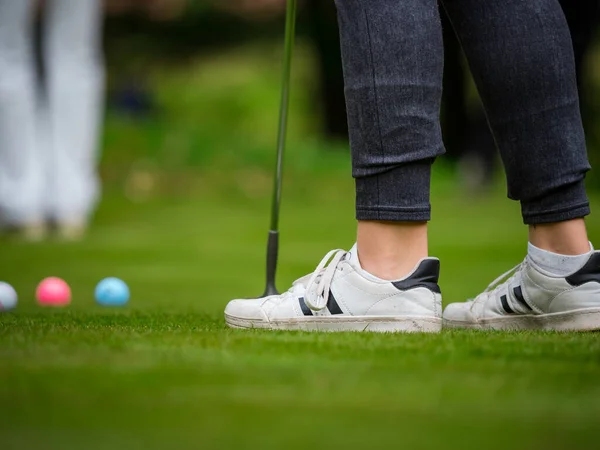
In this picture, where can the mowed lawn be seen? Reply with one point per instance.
(165, 372)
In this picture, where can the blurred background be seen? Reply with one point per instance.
(137, 140)
(224, 58)
(203, 79)
(168, 94)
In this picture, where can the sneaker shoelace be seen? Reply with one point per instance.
(322, 277)
(500, 282)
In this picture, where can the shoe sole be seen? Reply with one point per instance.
(377, 324)
(578, 320)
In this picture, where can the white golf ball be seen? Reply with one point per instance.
(8, 297)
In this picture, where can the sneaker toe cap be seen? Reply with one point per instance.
(459, 312)
(246, 309)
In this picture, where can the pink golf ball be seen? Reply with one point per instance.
(53, 292)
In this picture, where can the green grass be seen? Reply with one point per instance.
(166, 372)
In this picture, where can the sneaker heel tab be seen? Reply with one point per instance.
(429, 265)
(427, 275)
(589, 273)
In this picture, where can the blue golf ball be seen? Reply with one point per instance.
(112, 292)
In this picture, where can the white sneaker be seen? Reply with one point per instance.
(72, 231)
(29, 232)
(533, 300)
(341, 296)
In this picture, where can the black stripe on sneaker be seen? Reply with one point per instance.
(519, 296)
(590, 273)
(505, 305)
(333, 306)
(305, 309)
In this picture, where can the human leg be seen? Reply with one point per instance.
(75, 80)
(521, 57)
(393, 65)
(20, 163)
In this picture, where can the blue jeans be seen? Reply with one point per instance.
(521, 56)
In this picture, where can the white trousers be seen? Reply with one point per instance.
(49, 136)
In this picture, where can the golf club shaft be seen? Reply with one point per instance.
(290, 34)
(273, 242)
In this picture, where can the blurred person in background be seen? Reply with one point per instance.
(131, 95)
(583, 17)
(49, 126)
(324, 33)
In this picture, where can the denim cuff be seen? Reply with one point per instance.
(567, 203)
(397, 195)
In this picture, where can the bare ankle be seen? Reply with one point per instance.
(565, 238)
(391, 250)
